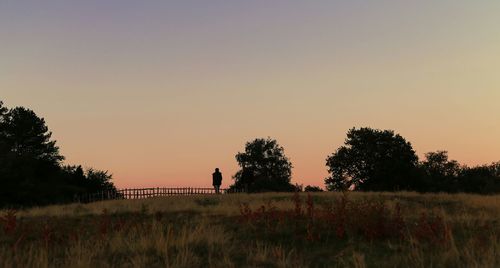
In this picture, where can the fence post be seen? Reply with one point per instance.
(134, 193)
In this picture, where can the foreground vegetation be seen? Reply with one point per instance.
(264, 230)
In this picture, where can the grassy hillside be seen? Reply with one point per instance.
(263, 230)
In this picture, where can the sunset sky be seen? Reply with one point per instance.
(161, 92)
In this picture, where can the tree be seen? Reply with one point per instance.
(3, 135)
(29, 159)
(91, 180)
(439, 173)
(3, 138)
(310, 188)
(31, 171)
(98, 180)
(3, 110)
(373, 160)
(483, 179)
(495, 169)
(264, 167)
(437, 164)
(28, 136)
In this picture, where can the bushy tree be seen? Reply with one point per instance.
(372, 160)
(99, 180)
(310, 188)
(31, 171)
(438, 173)
(495, 169)
(264, 167)
(483, 179)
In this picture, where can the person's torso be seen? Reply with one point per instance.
(217, 176)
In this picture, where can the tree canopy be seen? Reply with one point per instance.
(31, 170)
(438, 173)
(26, 135)
(264, 167)
(380, 160)
(371, 159)
(311, 188)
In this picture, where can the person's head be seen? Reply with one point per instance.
(217, 170)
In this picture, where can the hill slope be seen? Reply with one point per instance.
(270, 230)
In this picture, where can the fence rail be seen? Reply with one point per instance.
(148, 193)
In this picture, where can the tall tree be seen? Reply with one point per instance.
(3, 109)
(31, 171)
(27, 135)
(371, 159)
(30, 160)
(3, 139)
(264, 167)
(4, 152)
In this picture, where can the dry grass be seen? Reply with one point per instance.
(210, 231)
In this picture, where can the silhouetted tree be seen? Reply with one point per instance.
(264, 167)
(310, 188)
(480, 179)
(373, 160)
(3, 135)
(28, 136)
(3, 109)
(495, 169)
(91, 180)
(99, 180)
(439, 173)
(30, 164)
(29, 159)
(298, 187)
(4, 148)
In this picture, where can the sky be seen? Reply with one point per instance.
(159, 93)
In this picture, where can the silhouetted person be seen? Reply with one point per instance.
(217, 180)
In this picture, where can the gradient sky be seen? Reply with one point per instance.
(161, 92)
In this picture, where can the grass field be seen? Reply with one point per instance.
(259, 230)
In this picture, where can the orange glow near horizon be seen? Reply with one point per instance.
(160, 94)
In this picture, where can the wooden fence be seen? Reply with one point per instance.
(148, 193)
